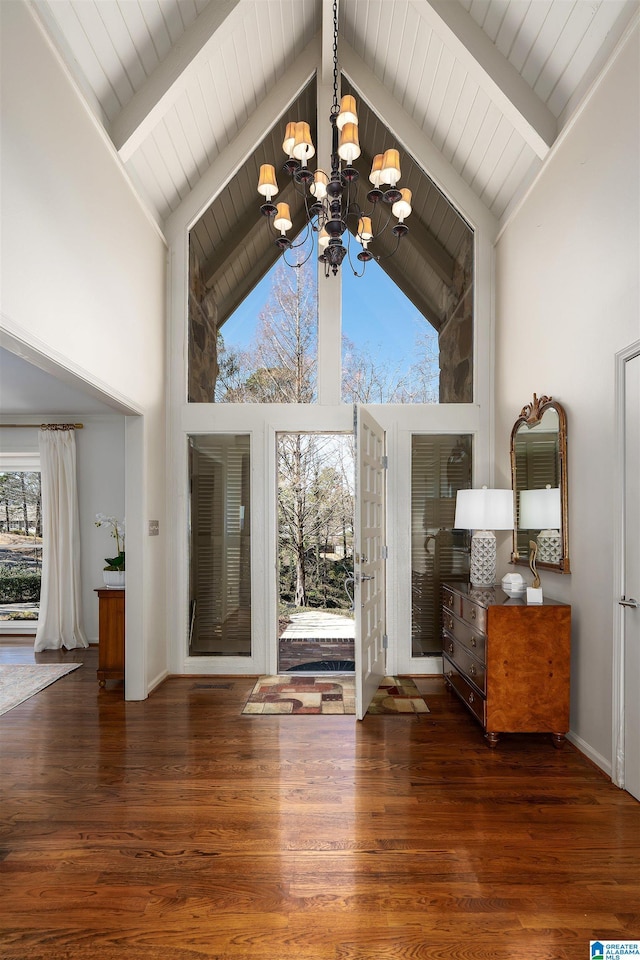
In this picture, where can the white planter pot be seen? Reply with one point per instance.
(113, 578)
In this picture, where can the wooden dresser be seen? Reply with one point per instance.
(110, 635)
(508, 662)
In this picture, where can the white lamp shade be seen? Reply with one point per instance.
(540, 509)
(484, 510)
(402, 208)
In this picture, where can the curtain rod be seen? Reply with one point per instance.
(39, 426)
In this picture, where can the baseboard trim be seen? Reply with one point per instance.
(157, 681)
(590, 753)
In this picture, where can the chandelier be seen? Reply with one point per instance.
(330, 202)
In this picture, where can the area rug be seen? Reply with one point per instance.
(20, 681)
(300, 695)
(321, 695)
(397, 695)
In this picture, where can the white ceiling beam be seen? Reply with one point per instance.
(500, 80)
(261, 121)
(170, 78)
(415, 141)
(327, 41)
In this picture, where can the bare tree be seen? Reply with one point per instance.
(281, 366)
(365, 379)
(21, 499)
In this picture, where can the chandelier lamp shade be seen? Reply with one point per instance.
(330, 202)
(483, 511)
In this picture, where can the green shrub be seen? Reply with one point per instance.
(19, 585)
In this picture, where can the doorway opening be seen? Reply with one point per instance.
(315, 504)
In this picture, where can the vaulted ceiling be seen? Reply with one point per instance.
(491, 83)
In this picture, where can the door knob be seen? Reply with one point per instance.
(628, 603)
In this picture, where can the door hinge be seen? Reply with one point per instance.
(384, 553)
(385, 642)
(385, 462)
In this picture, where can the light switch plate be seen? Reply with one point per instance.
(154, 528)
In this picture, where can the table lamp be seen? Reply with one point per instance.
(540, 510)
(483, 511)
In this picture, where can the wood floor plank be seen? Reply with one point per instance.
(177, 828)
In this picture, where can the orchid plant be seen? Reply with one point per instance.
(117, 532)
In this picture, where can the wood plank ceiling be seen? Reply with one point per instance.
(173, 81)
(491, 83)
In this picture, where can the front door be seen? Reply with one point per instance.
(369, 557)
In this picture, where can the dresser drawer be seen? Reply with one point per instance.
(469, 636)
(474, 614)
(466, 663)
(473, 700)
(451, 601)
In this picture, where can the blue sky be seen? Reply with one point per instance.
(372, 307)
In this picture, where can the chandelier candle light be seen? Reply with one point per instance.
(330, 204)
(483, 511)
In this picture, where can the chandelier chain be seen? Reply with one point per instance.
(335, 107)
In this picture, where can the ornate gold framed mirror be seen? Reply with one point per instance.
(539, 482)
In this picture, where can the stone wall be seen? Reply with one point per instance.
(203, 337)
(455, 337)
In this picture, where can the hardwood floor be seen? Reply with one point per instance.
(178, 828)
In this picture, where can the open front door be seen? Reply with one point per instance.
(369, 565)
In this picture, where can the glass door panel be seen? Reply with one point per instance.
(220, 546)
(440, 466)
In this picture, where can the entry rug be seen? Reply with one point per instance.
(19, 682)
(320, 695)
(397, 695)
(297, 695)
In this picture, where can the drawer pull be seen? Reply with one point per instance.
(472, 670)
(449, 623)
(474, 642)
(471, 698)
(473, 613)
(450, 600)
(450, 647)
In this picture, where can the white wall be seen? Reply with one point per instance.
(567, 301)
(83, 281)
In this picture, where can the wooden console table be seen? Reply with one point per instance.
(110, 635)
(507, 661)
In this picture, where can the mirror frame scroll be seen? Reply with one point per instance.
(530, 415)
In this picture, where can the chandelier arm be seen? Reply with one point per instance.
(310, 213)
(382, 230)
(355, 272)
(301, 243)
(391, 254)
(297, 263)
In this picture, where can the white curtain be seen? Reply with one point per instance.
(60, 617)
